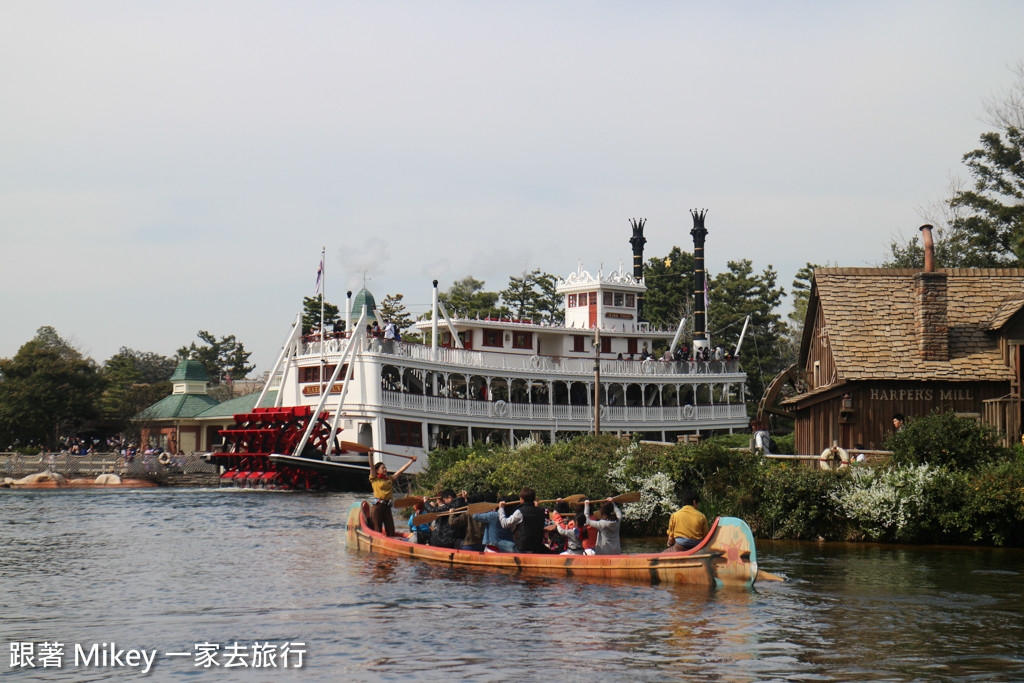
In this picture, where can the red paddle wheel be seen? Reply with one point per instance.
(266, 431)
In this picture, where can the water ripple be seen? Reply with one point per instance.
(167, 568)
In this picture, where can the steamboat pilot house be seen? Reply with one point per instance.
(502, 380)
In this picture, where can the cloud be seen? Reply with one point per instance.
(363, 261)
(168, 168)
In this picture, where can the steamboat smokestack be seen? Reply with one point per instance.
(638, 241)
(699, 232)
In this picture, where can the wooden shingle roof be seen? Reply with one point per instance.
(1005, 311)
(869, 322)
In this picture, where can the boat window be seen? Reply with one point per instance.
(492, 338)
(522, 340)
(572, 300)
(607, 298)
(630, 300)
(403, 433)
(579, 343)
(618, 299)
(606, 344)
(593, 298)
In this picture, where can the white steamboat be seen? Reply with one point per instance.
(337, 397)
(502, 380)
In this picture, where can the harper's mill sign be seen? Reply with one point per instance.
(944, 395)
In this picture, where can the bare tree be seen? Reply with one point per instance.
(1006, 109)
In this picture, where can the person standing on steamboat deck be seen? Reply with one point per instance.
(607, 527)
(383, 485)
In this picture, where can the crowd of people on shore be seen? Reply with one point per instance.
(79, 445)
(449, 520)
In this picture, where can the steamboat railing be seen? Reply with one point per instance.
(493, 360)
(507, 411)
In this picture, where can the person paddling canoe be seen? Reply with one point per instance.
(607, 527)
(383, 490)
(527, 523)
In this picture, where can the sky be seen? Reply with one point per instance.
(169, 167)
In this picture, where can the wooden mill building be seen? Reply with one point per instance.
(879, 341)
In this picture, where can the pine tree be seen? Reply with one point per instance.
(392, 310)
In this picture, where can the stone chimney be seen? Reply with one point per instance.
(931, 325)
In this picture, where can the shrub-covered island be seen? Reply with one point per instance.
(948, 482)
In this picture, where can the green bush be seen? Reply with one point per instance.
(792, 501)
(945, 439)
(785, 443)
(902, 501)
(663, 474)
(734, 440)
(561, 469)
(986, 505)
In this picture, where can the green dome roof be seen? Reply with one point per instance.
(363, 298)
(190, 371)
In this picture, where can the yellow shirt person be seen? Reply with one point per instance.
(687, 526)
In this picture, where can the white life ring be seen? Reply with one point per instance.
(688, 411)
(647, 367)
(535, 362)
(500, 408)
(164, 458)
(825, 461)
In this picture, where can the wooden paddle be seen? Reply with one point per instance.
(574, 499)
(409, 501)
(578, 498)
(472, 508)
(477, 508)
(631, 497)
(360, 448)
(762, 574)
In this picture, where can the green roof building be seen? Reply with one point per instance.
(189, 419)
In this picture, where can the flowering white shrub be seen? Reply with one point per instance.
(657, 491)
(525, 444)
(885, 502)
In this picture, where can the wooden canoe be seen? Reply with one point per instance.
(726, 558)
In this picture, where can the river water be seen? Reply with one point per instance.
(227, 577)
